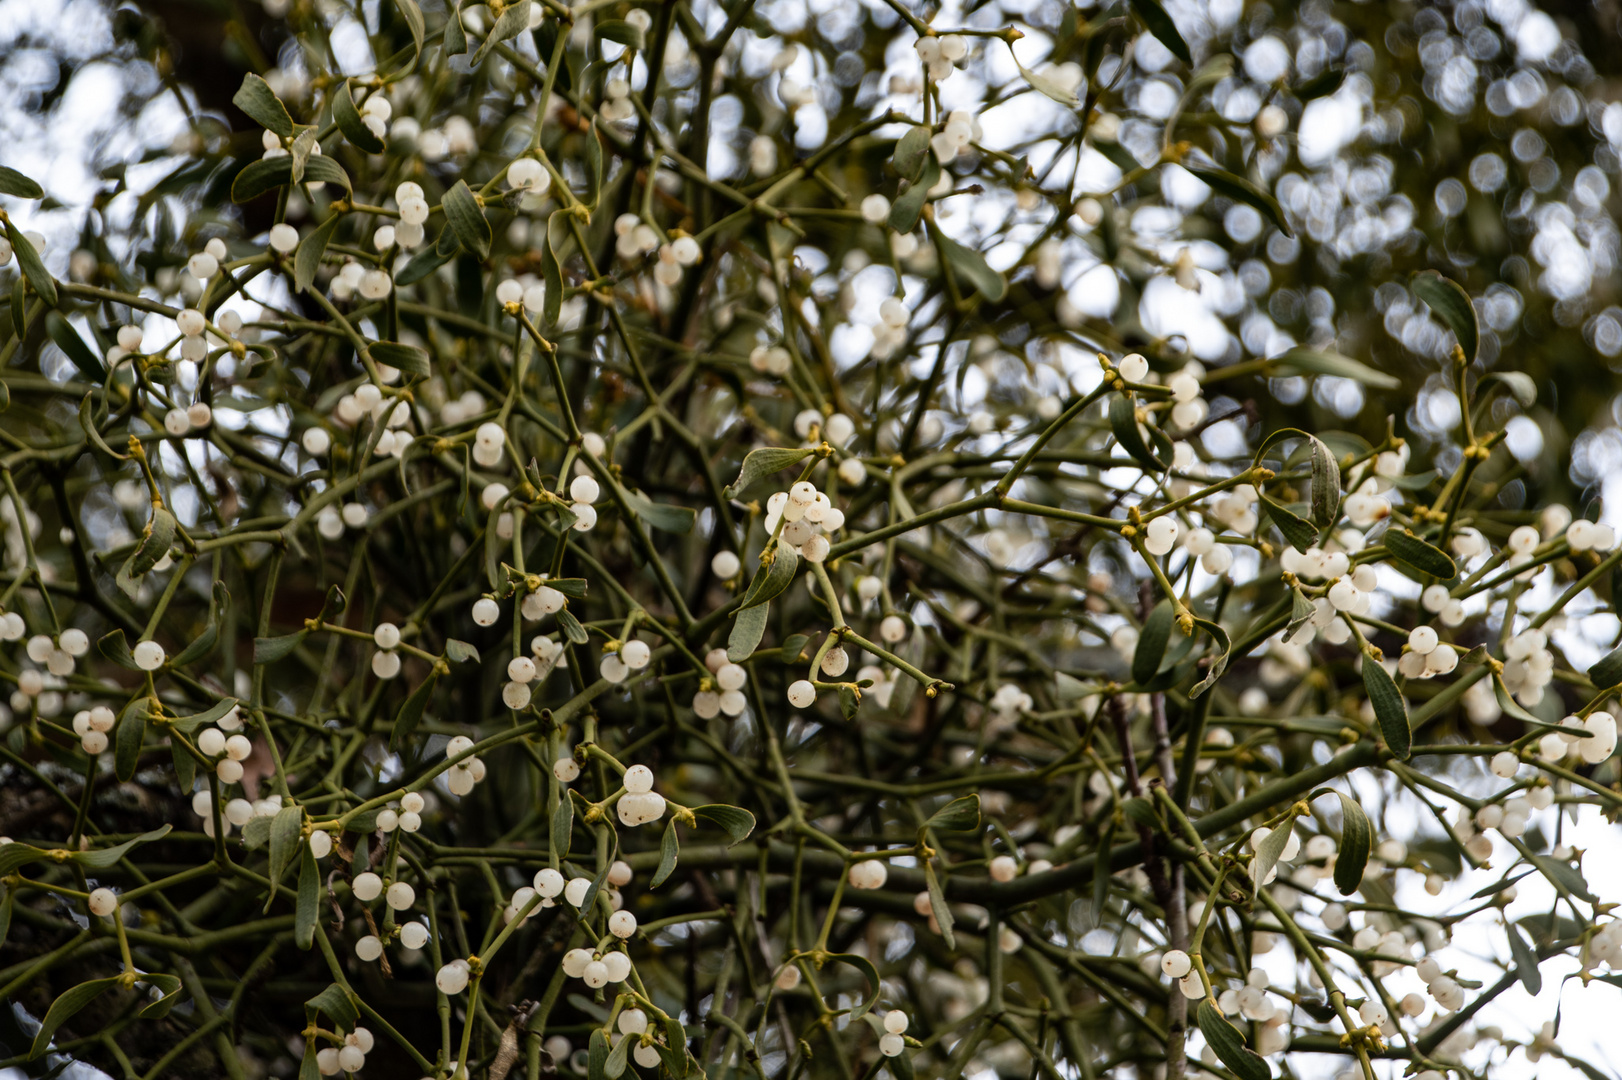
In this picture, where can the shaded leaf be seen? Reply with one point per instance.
(267, 650)
(1159, 23)
(408, 358)
(764, 462)
(411, 710)
(737, 822)
(115, 648)
(467, 220)
(563, 826)
(615, 1065)
(671, 519)
(972, 267)
(259, 101)
(309, 897)
(909, 205)
(1324, 362)
(597, 1055)
(669, 851)
(1151, 647)
(284, 843)
(959, 815)
(422, 264)
(349, 121)
(1323, 84)
(571, 627)
(1049, 87)
(1526, 960)
(102, 858)
(1325, 484)
(127, 740)
(337, 1005)
(1389, 708)
(1239, 189)
(1421, 555)
(865, 966)
(1561, 873)
(938, 906)
(748, 627)
(514, 20)
(1356, 840)
(168, 987)
(1228, 1045)
(1451, 304)
(911, 150)
(621, 33)
(1607, 671)
(1123, 421)
(79, 354)
(1269, 852)
(63, 1009)
(307, 257)
(1295, 528)
(773, 579)
(269, 174)
(33, 269)
(15, 183)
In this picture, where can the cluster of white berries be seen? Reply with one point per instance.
(1189, 408)
(634, 237)
(59, 655)
(489, 444)
(1591, 738)
(230, 751)
(595, 968)
(806, 514)
(92, 726)
(723, 694)
(237, 812)
(1606, 944)
(633, 1024)
(640, 804)
(892, 1043)
(884, 683)
(1443, 987)
(632, 655)
(375, 112)
(1009, 702)
(890, 332)
(837, 428)
(414, 210)
(1528, 665)
(616, 100)
(206, 263)
(352, 277)
(462, 776)
(961, 130)
(1427, 656)
(940, 55)
(386, 661)
(1583, 535)
(398, 895)
(771, 360)
(351, 1056)
(1449, 612)
(530, 295)
(868, 874)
